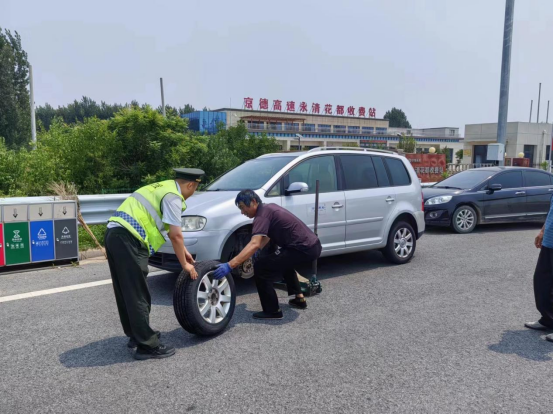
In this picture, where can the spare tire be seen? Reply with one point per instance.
(204, 306)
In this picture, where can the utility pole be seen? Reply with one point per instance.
(505, 75)
(539, 98)
(547, 118)
(531, 103)
(162, 98)
(32, 98)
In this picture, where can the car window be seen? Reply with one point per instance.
(381, 173)
(535, 178)
(358, 172)
(397, 170)
(276, 190)
(313, 169)
(510, 180)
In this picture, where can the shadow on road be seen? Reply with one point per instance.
(162, 285)
(489, 228)
(527, 344)
(114, 350)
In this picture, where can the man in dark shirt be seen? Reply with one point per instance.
(295, 244)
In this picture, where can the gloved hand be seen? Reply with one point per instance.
(222, 271)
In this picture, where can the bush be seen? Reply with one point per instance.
(136, 147)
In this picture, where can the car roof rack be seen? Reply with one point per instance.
(352, 148)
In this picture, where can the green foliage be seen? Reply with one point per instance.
(135, 147)
(407, 144)
(15, 118)
(397, 118)
(459, 156)
(544, 165)
(86, 242)
(79, 111)
(445, 151)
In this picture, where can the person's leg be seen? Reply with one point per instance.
(120, 301)
(543, 286)
(131, 267)
(265, 274)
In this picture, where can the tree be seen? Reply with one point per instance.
(397, 118)
(445, 151)
(407, 144)
(187, 109)
(15, 117)
(460, 155)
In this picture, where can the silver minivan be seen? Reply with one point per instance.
(369, 199)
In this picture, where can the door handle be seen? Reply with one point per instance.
(551, 190)
(520, 193)
(390, 199)
(337, 205)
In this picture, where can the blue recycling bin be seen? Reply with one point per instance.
(42, 241)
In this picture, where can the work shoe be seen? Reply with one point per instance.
(536, 325)
(268, 316)
(159, 352)
(300, 303)
(132, 342)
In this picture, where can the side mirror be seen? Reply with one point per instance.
(494, 187)
(296, 187)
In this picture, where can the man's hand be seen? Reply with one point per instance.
(222, 271)
(539, 240)
(188, 257)
(191, 270)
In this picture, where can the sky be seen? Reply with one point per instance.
(438, 60)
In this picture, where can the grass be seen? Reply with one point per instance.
(86, 242)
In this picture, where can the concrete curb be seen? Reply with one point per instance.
(91, 253)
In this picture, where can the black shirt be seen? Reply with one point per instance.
(284, 228)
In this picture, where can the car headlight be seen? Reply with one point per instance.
(193, 223)
(438, 200)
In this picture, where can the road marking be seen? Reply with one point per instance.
(62, 289)
(53, 291)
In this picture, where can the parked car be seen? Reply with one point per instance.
(369, 199)
(488, 195)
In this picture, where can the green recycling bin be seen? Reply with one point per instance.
(17, 247)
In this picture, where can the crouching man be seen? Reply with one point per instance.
(297, 245)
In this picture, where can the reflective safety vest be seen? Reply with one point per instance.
(141, 214)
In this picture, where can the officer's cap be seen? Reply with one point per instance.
(192, 175)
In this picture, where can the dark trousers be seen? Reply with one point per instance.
(128, 264)
(276, 266)
(543, 286)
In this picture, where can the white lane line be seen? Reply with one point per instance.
(61, 289)
(53, 291)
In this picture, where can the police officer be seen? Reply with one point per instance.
(139, 227)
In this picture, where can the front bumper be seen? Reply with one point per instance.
(437, 216)
(202, 245)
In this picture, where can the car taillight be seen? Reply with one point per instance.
(422, 197)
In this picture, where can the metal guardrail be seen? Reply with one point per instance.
(96, 209)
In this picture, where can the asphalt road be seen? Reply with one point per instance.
(441, 334)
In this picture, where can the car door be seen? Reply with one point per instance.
(506, 204)
(369, 199)
(332, 204)
(538, 193)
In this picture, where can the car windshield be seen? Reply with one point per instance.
(465, 180)
(250, 175)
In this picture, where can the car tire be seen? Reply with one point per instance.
(201, 307)
(464, 219)
(402, 243)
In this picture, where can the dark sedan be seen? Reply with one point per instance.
(488, 195)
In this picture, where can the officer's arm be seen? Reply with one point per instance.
(257, 242)
(175, 235)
